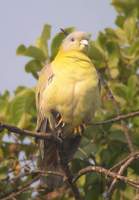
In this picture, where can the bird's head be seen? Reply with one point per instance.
(76, 41)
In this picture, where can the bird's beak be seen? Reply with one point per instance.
(84, 42)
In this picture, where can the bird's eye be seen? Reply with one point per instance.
(72, 39)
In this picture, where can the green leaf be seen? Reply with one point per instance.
(121, 36)
(57, 40)
(97, 54)
(130, 27)
(4, 99)
(135, 121)
(132, 86)
(111, 35)
(120, 21)
(33, 67)
(114, 54)
(112, 47)
(127, 7)
(1, 155)
(22, 104)
(113, 58)
(102, 40)
(42, 41)
(132, 82)
(31, 51)
(121, 90)
(134, 48)
(4, 105)
(94, 186)
(19, 89)
(116, 134)
(25, 195)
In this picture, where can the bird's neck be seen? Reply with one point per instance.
(74, 64)
(71, 56)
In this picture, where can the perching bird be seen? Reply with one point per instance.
(67, 96)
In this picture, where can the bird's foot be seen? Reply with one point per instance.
(60, 123)
(79, 129)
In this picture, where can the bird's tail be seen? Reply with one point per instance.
(49, 160)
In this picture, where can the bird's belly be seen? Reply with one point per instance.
(77, 102)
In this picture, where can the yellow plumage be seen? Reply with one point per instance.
(68, 87)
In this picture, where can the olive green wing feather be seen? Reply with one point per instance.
(45, 78)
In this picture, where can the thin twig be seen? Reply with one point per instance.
(32, 173)
(128, 136)
(134, 155)
(123, 167)
(117, 118)
(19, 190)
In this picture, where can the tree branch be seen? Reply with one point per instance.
(106, 172)
(50, 136)
(38, 135)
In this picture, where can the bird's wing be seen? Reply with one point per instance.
(45, 78)
(49, 158)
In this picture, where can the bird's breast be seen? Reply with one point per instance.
(73, 92)
(76, 98)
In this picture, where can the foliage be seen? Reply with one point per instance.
(115, 54)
